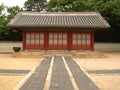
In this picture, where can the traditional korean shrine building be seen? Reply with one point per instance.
(58, 31)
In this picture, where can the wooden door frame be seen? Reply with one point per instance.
(69, 40)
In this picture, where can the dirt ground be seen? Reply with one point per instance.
(105, 72)
(9, 81)
(9, 62)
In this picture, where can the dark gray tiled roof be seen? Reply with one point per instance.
(63, 19)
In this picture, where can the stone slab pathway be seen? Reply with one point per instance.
(12, 71)
(37, 79)
(59, 78)
(82, 80)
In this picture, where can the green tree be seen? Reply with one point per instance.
(1, 9)
(12, 11)
(12, 34)
(66, 6)
(35, 5)
(6, 13)
(28, 5)
(3, 22)
(110, 10)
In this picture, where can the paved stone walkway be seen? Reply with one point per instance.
(60, 78)
(12, 71)
(113, 71)
(37, 79)
(82, 80)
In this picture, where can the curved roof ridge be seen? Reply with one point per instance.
(92, 20)
(58, 13)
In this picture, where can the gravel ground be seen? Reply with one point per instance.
(9, 82)
(104, 71)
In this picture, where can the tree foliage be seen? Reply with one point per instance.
(6, 13)
(2, 21)
(66, 6)
(110, 10)
(34, 5)
(12, 11)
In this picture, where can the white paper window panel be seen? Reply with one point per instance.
(74, 36)
(64, 42)
(60, 41)
(55, 41)
(27, 35)
(55, 35)
(50, 35)
(74, 42)
(41, 41)
(60, 35)
(88, 36)
(28, 41)
(37, 41)
(83, 42)
(50, 41)
(79, 36)
(64, 35)
(41, 35)
(37, 35)
(41, 38)
(79, 42)
(88, 42)
(83, 36)
(32, 36)
(32, 42)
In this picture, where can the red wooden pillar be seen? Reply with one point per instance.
(24, 40)
(46, 40)
(92, 40)
(69, 39)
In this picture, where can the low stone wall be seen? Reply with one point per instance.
(74, 54)
(6, 47)
(112, 47)
(88, 54)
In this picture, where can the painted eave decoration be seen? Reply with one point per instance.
(80, 20)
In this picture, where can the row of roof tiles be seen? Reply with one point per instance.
(74, 20)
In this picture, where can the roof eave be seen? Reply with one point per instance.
(64, 28)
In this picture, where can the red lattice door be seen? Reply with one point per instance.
(57, 40)
(34, 40)
(81, 40)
